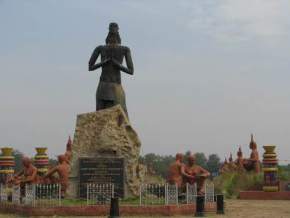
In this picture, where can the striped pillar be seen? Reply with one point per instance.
(7, 164)
(41, 160)
(270, 169)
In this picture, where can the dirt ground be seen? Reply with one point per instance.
(239, 209)
(256, 209)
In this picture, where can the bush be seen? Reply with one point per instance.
(284, 173)
(230, 184)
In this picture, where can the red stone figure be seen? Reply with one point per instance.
(232, 166)
(254, 158)
(175, 171)
(62, 169)
(231, 158)
(224, 166)
(26, 176)
(174, 174)
(243, 164)
(68, 153)
(240, 161)
(196, 173)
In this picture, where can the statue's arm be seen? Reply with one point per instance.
(93, 59)
(203, 172)
(51, 172)
(20, 173)
(129, 62)
(16, 176)
(130, 68)
(32, 177)
(183, 172)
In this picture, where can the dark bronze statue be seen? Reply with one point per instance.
(110, 91)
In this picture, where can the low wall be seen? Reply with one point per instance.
(261, 195)
(100, 210)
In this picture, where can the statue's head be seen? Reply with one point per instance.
(191, 160)
(113, 36)
(26, 161)
(240, 153)
(179, 156)
(231, 157)
(61, 158)
(252, 144)
(113, 27)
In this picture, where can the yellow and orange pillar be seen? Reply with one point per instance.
(7, 164)
(270, 169)
(41, 160)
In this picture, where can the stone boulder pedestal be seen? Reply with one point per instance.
(106, 134)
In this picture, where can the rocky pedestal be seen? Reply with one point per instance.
(106, 134)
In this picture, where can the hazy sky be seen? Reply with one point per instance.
(207, 73)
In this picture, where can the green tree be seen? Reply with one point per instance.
(150, 158)
(18, 160)
(201, 159)
(213, 163)
(159, 163)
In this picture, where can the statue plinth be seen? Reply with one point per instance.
(106, 134)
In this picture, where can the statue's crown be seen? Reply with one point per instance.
(113, 27)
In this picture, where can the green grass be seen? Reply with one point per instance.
(130, 201)
(81, 202)
(73, 202)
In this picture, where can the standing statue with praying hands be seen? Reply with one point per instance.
(110, 91)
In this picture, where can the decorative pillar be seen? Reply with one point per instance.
(7, 164)
(41, 160)
(270, 169)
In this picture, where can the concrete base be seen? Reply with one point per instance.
(261, 195)
(73, 188)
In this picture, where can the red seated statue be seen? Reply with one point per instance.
(180, 174)
(28, 175)
(195, 174)
(175, 171)
(62, 169)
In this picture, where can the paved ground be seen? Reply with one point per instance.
(240, 209)
(257, 209)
